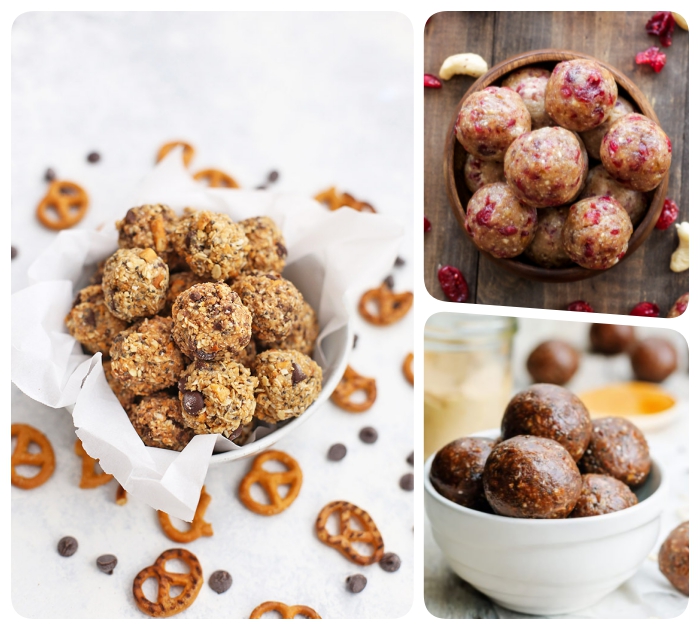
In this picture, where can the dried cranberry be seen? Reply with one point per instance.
(662, 24)
(668, 216)
(426, 225)
(652, 57)
(580, 307)
(431, 81)
(453, 284)
(645, 309)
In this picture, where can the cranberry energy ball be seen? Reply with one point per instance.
(530, 84)
(478, 172)
(499, 223)
(602, 494)
(610, 339)
(600, 183)
(553, 362)
(490, 120)
(580, 94)
(593, 137)
(654, 360)
(91, 323)
(547, 248)
(674, 558)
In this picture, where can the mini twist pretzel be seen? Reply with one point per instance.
(64, 205)
(215, 178)
(270, 482)
(187, 153)
(191, 583)
(407, 367)
(287, 612)
(45, 459)
(348, 535)
(89, 478)
(335, 200)
(350, 383)
(120, 497)
(391, 306)
(199, 526)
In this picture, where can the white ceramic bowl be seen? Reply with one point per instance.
(546, 567)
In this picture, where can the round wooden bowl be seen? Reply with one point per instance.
(455, 157)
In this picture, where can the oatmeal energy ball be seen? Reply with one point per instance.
(530, 84)
(91, 323)
(158, 421)
(478, 173)
(210, 322)
(134, 283)
(593, 137)
(547, 248)
(148, 226)
(289, 382)
(600, 183)
(303, 336)
(267, 249)
(179, 282)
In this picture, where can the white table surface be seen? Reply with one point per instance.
(326, 99)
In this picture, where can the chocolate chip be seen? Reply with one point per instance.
(409, 459)
(67, 546)
(337, 452)
(106, 563)
(297, 374)
(130, 217)
(406, 482)
(93, 157)
(220, 581)
(273, 176)
(89, 318)
(236, 433)
(354, 341)
(195, 296)
(271, 276)
(369, 435)
(182, 384)
(356, 583)
(399, 262)
(14, 252)
(218, 326)
(50, 175)
(390, 562)
(281, 250)
(389, 282)
(204, 356)
(192, 402)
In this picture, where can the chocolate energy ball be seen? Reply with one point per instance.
(547, 248)
(546, 167)
(552, 412)
(210, 322)
(580, 94)
(674, 558)
(531, 477)
(653, 359)
(490, 120)
(636, 152)
(679, 306)
(499, 223)
(91, 323)
(553, 362)
(148, 226)
(617, 448)
(158, 421)
(596, 233)
(179, 282)
(304, 333)
(267, 251)
(145, 358)
(288, 382)
(602, 494)
(593, 137)
(610, 339)
(134, 283)
(479, 173)
(457, 470)
(600, 183)
(530, 84)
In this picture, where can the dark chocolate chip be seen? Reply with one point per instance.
(389, 282)
(130, 217)
(195, 296)
(368, 435)
(89, 318)
(236, 433)
(337, 452)
(182, 384)
(354, 341)
(218, 326)
(390, 562)
(220, 581)
(93, 157)
(50, 175)
(399, 262)
(192, 402)
(204, 356)
(406, 482)
(273, 176)
(281, 250)
(409, 459)
(356, 583)
(106, 563)
(271, 276)
(67, 546)
(297, 374)
(14, 252)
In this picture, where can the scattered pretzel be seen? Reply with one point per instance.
(335, 200)
(287, 612)
(270, 482)
(89, 478)
(350, 383)
(65, 199)
(45, 459)
(191, 583)
(121, 496)
(199, 526)
(348, 535)
(187, 153)
(215, 178)
(391, 306)
(407, 367)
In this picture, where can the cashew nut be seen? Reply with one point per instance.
(680, 20)
(680, 260)
(464, 63)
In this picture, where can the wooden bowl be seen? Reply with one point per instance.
(455, 157)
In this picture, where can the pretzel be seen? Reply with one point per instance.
(391, 306)
(121, 496)
(270, 481)
(350, 383)
(407, 367)
(199, 526)
(165, 605)
(89, 478)
(65, 199)
(334, 200)
(348, 535)
(45, 459)
(216, 178)
(187, 153)
(286, 612)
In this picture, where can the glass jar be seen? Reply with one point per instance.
(468, 378)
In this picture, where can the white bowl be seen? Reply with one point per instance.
(546, 567)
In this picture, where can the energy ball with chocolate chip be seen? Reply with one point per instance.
(267, 251)
(134, 283)
(593, 137)
(145, 358)
(674, 558)
(679, 306)
(610, 339)
(158, 421)
(600, 183)
(547, 248)
(210, 322)
(289, 382)
(91, 323)
(303, 336)
(531, 84)
(457, 470)
(273, 301)
(179, 282)
(531, 477)
(617, 448)
(653, 360)
(478, 173)
(148, 226)
(553, 362)
(217, 397)
(602, 494)
(552, 412)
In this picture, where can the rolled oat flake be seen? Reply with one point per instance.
(106, 563)
(67, 546)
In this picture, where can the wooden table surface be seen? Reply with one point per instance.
(614, 37)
